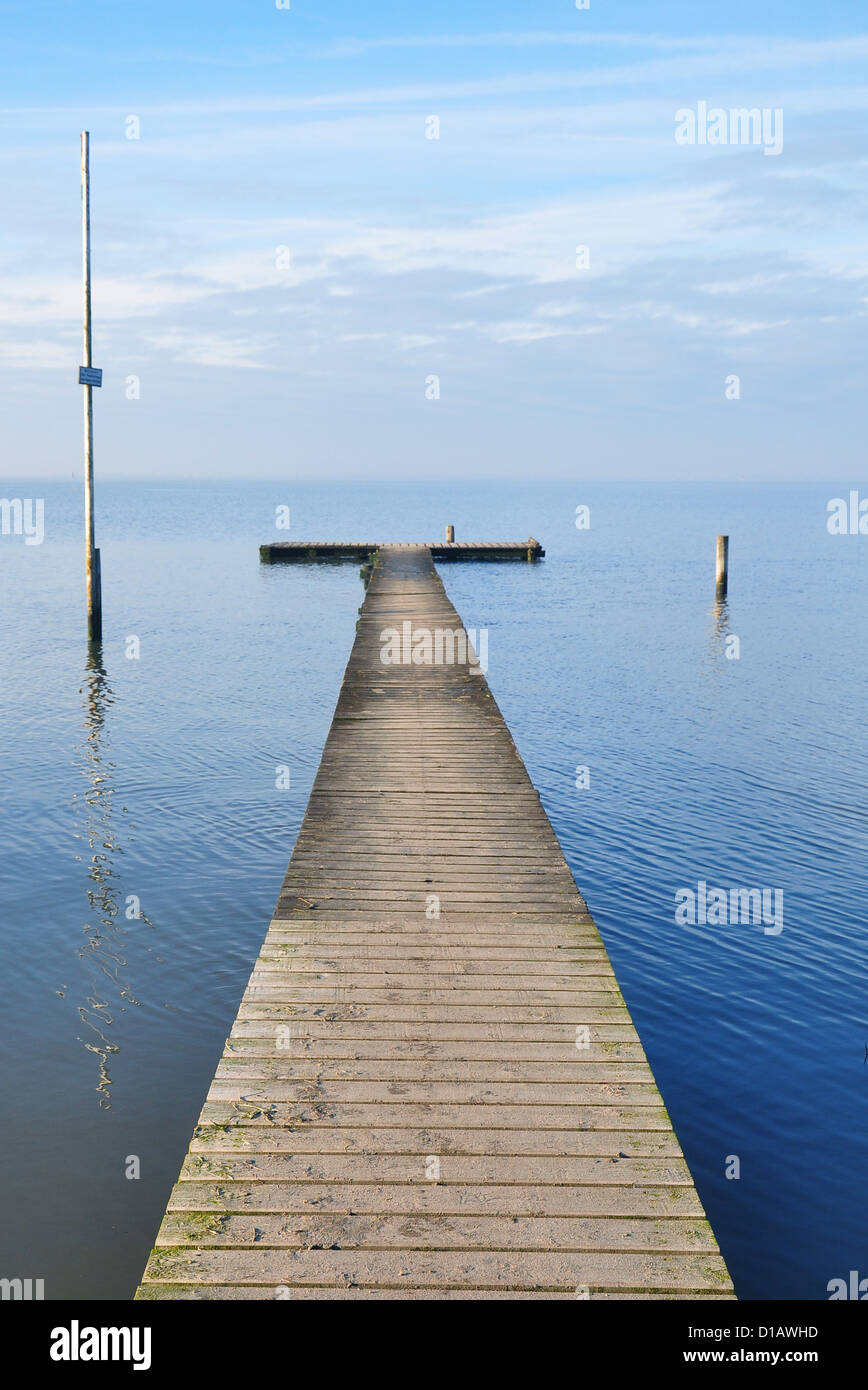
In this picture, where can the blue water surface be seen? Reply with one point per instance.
(148, 783)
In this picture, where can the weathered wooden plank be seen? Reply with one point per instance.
(433, 1087)
(330, 1024)
(420, 1015)
(573, 1094)
(345, 966)
(398, 1111)
(259, 1293)
(511, 1199)
(453, 1168)
(276, 1064)
(442, 1057)
(313, 1231)
(469, 1269)
(461, 997)
(242, 1136)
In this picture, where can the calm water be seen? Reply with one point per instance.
(154, 779)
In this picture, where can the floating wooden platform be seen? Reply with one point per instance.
(412, 1106)
(295, 552)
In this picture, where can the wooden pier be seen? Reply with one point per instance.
(433, 1088)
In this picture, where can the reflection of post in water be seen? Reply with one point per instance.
(722, 642)
(720, 623)
(103, 933)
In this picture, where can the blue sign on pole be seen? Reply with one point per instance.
(90, 376)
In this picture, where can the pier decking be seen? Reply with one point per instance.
(414, 1105)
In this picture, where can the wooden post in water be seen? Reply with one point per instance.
(450, 535)
(722, 567)
(89, 378)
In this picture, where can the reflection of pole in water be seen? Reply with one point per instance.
(720, 621)
(101, 949)
(722, 641)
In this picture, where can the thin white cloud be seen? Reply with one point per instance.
(723, 48)
(745, 328)
(47, 299)
(531, 331)
(41, 355)
(211, 349)
(744, 283)
(745, 56)
(482, 290)
(351, 47)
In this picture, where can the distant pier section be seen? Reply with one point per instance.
(298, 552)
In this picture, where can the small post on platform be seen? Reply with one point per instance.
(721, 578)
(450, 535)
(89, 377)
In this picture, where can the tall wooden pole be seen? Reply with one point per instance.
(91, 559)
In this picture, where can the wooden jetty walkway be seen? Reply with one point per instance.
(421, 1106)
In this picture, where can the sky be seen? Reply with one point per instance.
(293, 279)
